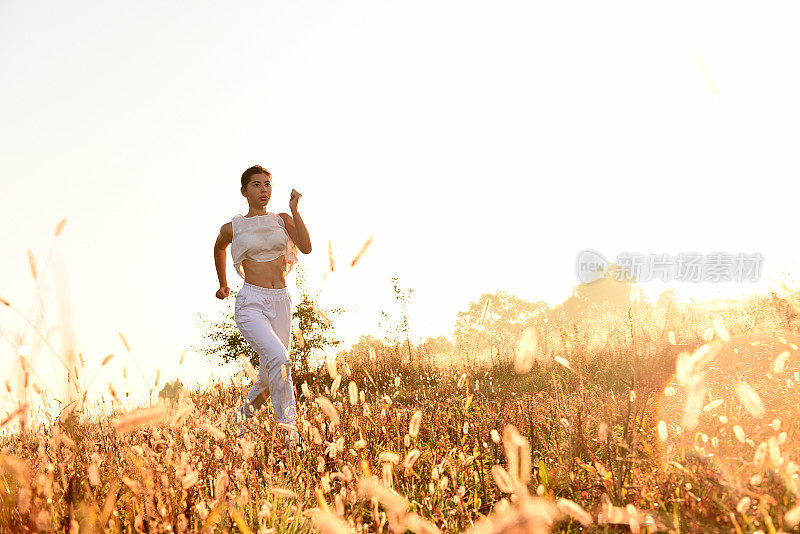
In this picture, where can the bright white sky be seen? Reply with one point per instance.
(484, 144)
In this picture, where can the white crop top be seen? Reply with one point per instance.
(261, 238)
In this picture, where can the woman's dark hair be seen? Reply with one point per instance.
(255, 169)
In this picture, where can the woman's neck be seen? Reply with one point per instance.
(253, 213)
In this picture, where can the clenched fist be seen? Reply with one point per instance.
(293, 199)
(223, 292)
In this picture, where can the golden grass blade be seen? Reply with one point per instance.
(461, 381)
(141, 417)
(330, 255)
(337, 382)
(322, 316)
(298, 334)
(707, 76)
(576, 511)
(60, 226)
(518, 453)
(132, 485)
(239, 519)
(792, 518)
(721, 331)
(249, 370)
(110, 501)
(215, 515)
(371, 487)
(323, 504)
(216, 433)
(32, 264)
(486, 305)
(691, 364)
(10, 417)
(713, 404)
(124, 341)
(502, 479)
(329, 523)
(416, 523)
(361, 252)
(181, 414)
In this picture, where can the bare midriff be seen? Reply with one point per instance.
(265, 273)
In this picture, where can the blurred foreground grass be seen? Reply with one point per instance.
(683, 422)
(595, 440)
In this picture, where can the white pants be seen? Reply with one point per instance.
(264, 317)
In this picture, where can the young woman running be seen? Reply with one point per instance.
(265, 245)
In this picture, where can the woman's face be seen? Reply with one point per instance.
(258, 190)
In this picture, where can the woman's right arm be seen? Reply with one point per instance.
(223, 240)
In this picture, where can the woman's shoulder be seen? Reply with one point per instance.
(226, 231)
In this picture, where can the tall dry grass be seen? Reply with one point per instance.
(626, 423)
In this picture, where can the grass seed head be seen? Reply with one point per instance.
(329, 409)
(527, 350)
(363, 250)
(216, 433)
(414, 424)
(662, 431)
(352, 390)
(328, 522)
(125, 342)
(32, 264)
(141, 417)
(298, 334)
(411, 457)
(576, 511)
(331, 362)
(792, 518)
(331, 262)
(779, 365)
(750, 399)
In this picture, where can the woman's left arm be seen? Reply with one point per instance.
(295, 226)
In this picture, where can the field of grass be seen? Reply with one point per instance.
(694, 431)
